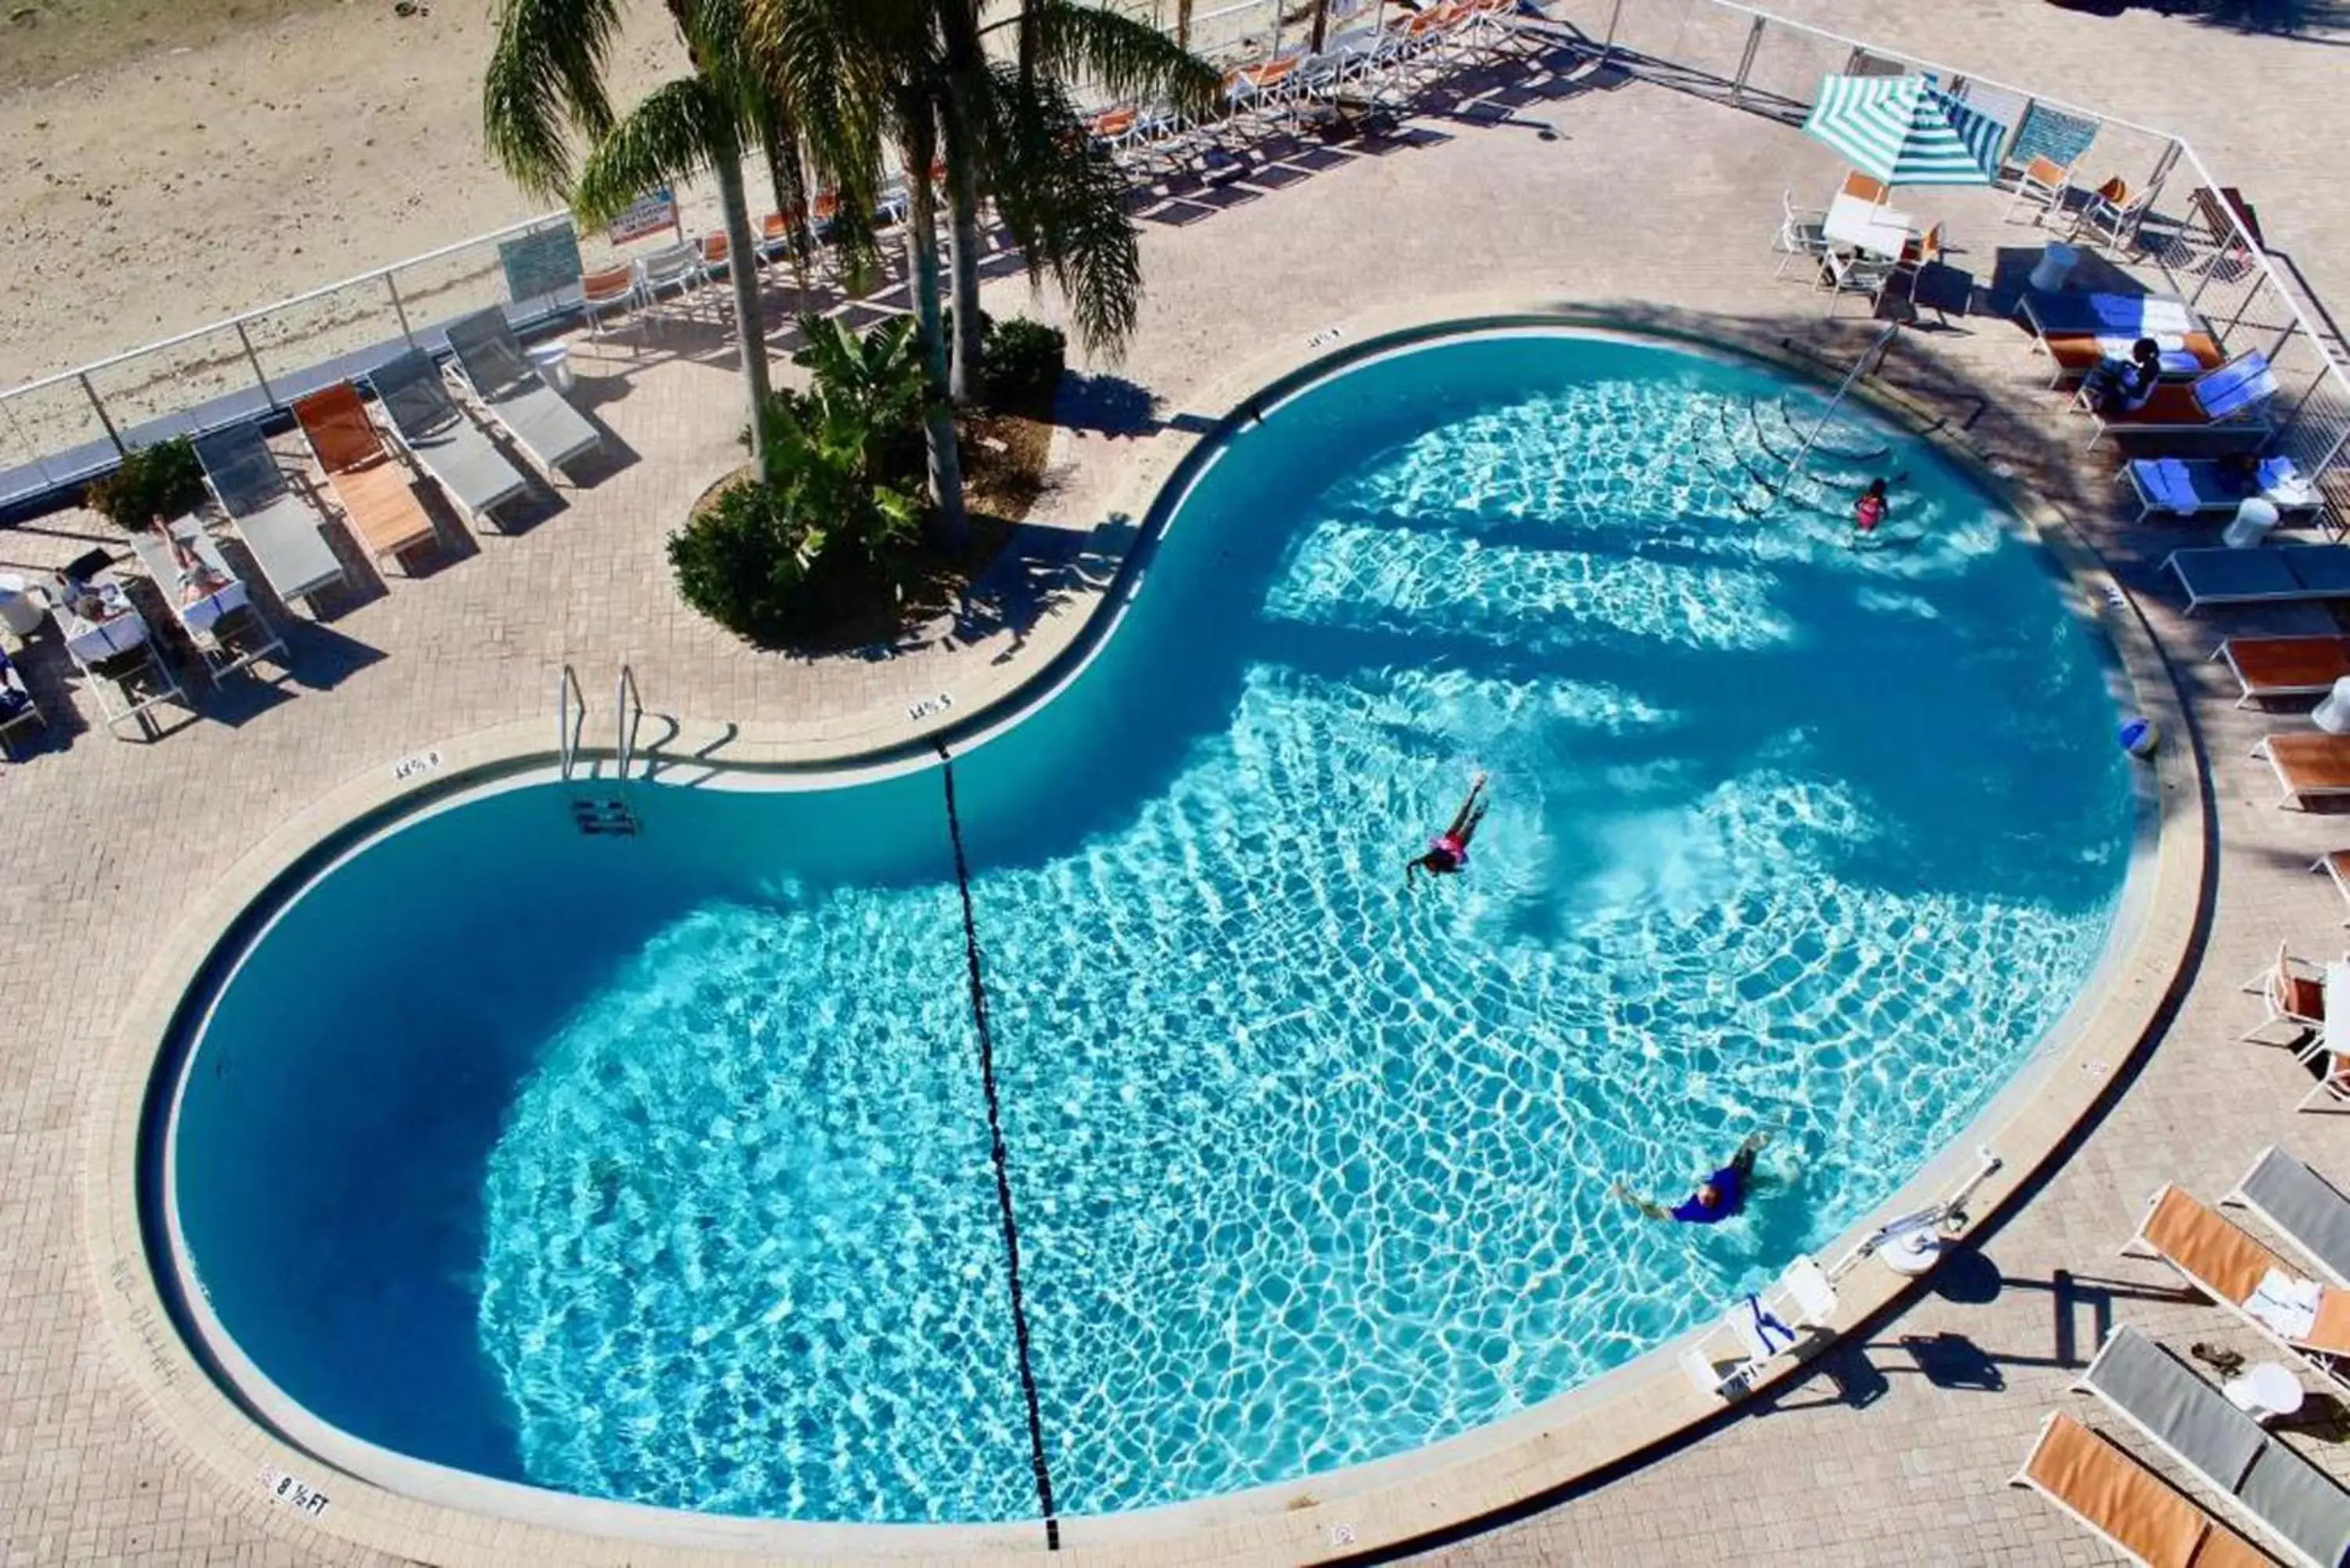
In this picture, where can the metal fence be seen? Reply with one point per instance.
(63, 428)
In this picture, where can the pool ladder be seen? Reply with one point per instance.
(599, 814)
(1879, 346)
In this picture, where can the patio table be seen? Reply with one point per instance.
(1866, 226)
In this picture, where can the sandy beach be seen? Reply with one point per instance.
(237, 154)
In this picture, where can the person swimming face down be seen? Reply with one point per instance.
(1448, 852)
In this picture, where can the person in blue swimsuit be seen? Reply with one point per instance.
(1717, 1197)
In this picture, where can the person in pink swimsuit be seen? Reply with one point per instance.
(1448, 852)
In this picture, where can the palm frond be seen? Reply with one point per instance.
(1131, 59)
(680, 129)
(1064, 200)
(545, 80)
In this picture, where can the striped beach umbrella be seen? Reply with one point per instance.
(1904, 130)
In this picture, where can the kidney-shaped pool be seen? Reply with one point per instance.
(659, 1168)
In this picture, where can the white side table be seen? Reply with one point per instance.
(20, 612)
(2265, 1391)
(553, 362)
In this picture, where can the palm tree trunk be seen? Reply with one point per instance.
(1183, 23)
(951, 525)
(749, 320)
(964, 247)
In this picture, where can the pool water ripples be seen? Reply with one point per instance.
(1312, 1162)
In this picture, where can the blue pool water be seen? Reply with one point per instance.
(659, 1170)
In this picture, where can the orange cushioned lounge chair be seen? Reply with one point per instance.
(2132, 1508)
(378, 498)
(2222, 1259)
(2269, 667)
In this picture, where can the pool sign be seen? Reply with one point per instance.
(298, 1495)
(649, 215)
(415, 767)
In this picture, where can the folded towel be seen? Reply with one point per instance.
(2286, 1304)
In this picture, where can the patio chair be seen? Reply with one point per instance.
(2291, 573)
(207, 597)
(1859, 272)
(2125, 1504)
(2270, 667)
(2191, 486)
(2335, 864)
(2292, 991)
(1763, 1327)
(2111, 215)
(2308, 765)
(2292, 1199)
(378, 498)
(2222, 1259)
(446, 445)
(509, 386)
(2041, 185)
(676, 267)
(1867, 187)
(611, 292)
(2294, 1504)
(2232, 401)
(18, 708)
(2185, 356)
(113, 649)
(1800, 233)
(279, 528)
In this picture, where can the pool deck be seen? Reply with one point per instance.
(1891, 1450)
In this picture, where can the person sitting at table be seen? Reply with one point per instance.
(2124, 386)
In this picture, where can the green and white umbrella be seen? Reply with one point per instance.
(1904, 130)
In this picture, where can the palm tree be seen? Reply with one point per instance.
(544, 86)
(1019, 133)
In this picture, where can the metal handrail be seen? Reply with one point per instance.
(1795, 463)
(567, 728)
(628, 712)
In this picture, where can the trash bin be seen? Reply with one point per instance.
(2332, 715)
(2056, 264)
(553, 362)
(2255, 517)
(20, 612)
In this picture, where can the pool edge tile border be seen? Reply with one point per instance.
(1448, 1487)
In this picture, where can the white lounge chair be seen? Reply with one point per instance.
(114, 651)
(279, 528)
(2221, 1258)
(18, 708)
(2190, 486)
(2309, 764)
(2232, 401)
(207, 597)
(2292, 573)
(2296, 1505)
(2128, 1506)
(433, 430)
(509, 386)
(2297, 1203)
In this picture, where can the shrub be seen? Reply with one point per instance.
(1021, 365)
(153, 483)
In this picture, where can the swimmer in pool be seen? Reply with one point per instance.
(1870, 509)
(1448, 852)
(1717, 1197)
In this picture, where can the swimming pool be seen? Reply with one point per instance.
(659, 1168)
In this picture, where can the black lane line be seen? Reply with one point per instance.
(1003, 1167)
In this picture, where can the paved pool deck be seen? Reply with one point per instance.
(1613, 192)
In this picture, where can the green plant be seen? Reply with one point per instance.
(1020, 366)
(152, 485)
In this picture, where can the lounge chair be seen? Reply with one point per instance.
(2269, 667)
(2294, 574)
(1763, 1326)
(209, 601)
(443, 441)
(2221, 1258)
(2301, 1206)
(2127, 315)
(2232, 400)
(509, 387)
(2076, 354)
(2293, 1502)
(2129, 1507)
(16, 705)
(279, 528)
(114, 651)
(2308, 765)
(378, 499)
(2187, 486)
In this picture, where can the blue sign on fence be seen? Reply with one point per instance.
(647, 214)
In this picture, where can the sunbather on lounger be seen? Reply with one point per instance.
(2124, 386)
(197, 581)
(1717, 1197)
(1448, 852)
